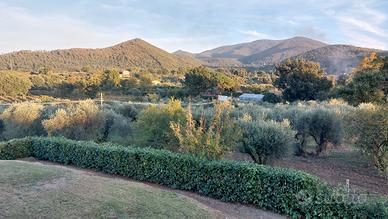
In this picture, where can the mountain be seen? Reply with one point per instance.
(265, 54)
(132, 53)
(258, 53)
(338, 59)
(184, 53)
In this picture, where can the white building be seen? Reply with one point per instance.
(222, 98)
(248, 97)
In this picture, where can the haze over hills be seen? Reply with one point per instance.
(335, 59)
(132, 53)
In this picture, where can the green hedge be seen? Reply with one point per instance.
(16, 148)
(277, 189)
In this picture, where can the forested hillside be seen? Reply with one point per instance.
(133, 53)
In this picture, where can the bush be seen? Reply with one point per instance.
(152, 125)
(207, 138)
(372, 136)
(118, 129)
(265, 140)
(12, 84)
(83, 121)
(272, 98)
(286, 191)
(16, 148)
(22, 119)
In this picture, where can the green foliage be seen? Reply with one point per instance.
(206, 139)
(12, 84)
(286, 191)
(83, 121)
(152, 125)
(118, 128)
(199, 80)
(372, 137)
(366, 86)
(22, 119)
(90, 86)
(272, 98)
(15, 149)
(111, 79)
(266, 140)
(322, 125)
(202, 79)
(302, 80)
(135, 53)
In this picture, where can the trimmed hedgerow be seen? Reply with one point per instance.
(16, 148)
(286, 191)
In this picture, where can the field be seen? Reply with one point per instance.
(49, 191)
(52, 191)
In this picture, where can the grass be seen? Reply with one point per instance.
(44, 191)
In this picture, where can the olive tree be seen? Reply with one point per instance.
(265, 140)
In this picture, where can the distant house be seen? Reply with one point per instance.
(222, 98)
(125, 74)
(248, 97)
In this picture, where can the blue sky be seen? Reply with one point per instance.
(191, 25)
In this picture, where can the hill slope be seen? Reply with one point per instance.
(133, 53)
(264, 54)
(337, 59)
(259, 52)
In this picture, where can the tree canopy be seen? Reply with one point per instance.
(302, 80)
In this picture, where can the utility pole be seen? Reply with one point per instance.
(101, 99)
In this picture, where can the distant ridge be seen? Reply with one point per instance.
(132, 53)
(259, 54)
(335, 59)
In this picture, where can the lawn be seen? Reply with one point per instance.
(46, 191)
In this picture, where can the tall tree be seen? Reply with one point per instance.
(368, 83)
(302, 80)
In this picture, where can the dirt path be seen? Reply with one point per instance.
(216, 208)
(341, 165)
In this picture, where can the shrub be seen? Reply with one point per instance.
(272, 98)
(83, 121)
(22, 119)
(265, 140)
(12, 84)
(286, 191)
(373, 135)
(16, 148)
(206, 139)
(118, 129)
(152, 125)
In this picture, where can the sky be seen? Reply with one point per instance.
(190, 25)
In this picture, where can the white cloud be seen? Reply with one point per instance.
(363, 25)
(254, 34)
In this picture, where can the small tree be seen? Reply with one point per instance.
(322, 125)
(265, 140)
(206, 138)
(152, 125)
(198, 80)
(111, 79)
(373, 135)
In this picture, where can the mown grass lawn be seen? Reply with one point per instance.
(34, 190)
